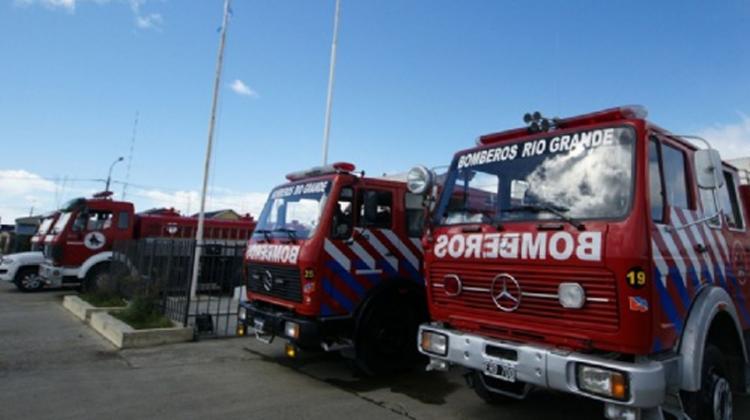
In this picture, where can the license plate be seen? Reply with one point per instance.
(500, 370)
(258, 324)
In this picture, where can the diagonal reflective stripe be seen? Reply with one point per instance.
(715, 250)
(699, 238)
(394, 239)
(674, 252)
(688, 245)
(661, 264)
(722, 243)
(382, 250)
(337, 255)
(417, 243)
(363, 255)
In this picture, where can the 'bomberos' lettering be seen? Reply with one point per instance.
(586, 246)
(285, 254)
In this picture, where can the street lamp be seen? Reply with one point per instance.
(109, 176)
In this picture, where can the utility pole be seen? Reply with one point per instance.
(331, 79)
(209, 146)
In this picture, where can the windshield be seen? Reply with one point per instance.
(293, 210)
(60, 224)
(44, 226)
(581, 175)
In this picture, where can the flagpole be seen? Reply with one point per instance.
(331, 79)
(209, 146)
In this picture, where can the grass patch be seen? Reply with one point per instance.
(103, 300)
(143, 314)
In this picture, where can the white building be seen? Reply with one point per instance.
(743, 164)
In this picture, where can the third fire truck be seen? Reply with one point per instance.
(78, 248)
(335, 263)
(598, 255)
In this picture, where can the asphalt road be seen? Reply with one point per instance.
(53, 366)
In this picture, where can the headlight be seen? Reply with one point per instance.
(602, 381)
(242, 314)
(571, 295)
(419, 180)
(291, 329)
(435, 343)
(6, 260)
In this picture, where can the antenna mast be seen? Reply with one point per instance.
(130, 157)
(331, 79)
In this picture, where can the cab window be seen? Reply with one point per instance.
(92, 220)
(656, 188)
(123, 220)
(730, 204)
(675, 178)
(375, 209)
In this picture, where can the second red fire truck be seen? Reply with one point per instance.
(598, 255)
(335, 263)
(78, 248)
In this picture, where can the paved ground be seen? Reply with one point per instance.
(53, 366)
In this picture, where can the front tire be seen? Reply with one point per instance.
(714, 400)
(27, 280)
(98, 279)
(386, 334)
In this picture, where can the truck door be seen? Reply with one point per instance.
(92, 231)
(680, 254)
(730, 236)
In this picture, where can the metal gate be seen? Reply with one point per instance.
(162, 269)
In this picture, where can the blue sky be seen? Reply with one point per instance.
(416, 81)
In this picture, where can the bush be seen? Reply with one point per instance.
(143, 313)
(103, 299)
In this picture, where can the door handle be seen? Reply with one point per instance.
(701, 248)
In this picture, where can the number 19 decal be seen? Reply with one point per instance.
(636, 278)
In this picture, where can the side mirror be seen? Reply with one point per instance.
(708, 169)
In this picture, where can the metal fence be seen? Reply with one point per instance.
(161, 269)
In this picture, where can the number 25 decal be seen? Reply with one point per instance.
(636, 278)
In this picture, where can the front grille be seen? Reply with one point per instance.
(284, 281)
(53, 252)
(600, 315)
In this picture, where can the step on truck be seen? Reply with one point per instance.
(78, 248)
(335, 264)
(598, 255)
(22, 268)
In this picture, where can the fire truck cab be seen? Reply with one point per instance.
(335, 263)
(598, 255)
(78, 249)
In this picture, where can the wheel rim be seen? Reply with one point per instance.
(30, 281)
(722, 401)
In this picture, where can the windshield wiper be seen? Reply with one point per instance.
(291, 232)
(265, 232)
(558, 211)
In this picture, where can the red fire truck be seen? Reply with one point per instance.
(599, 255)
(335, 264)
(78, 249)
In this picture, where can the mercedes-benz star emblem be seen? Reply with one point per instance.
(506, 292)
(267, 281)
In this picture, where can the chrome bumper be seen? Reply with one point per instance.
(553, 368)
(51, 275)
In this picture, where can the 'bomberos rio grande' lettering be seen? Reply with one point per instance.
(285, 254)
(586, 246)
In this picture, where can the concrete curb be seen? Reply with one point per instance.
(124, 336)
(82, 309)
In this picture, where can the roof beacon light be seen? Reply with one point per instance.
(538, 123)
(322, 170)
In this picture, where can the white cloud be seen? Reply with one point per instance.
(20, 190)
(239, 87)
(732, 140)
(142, 19)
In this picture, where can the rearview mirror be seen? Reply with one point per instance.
(708, 169)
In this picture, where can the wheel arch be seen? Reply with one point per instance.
(398, 285)
(93, 261)
(713, 318)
